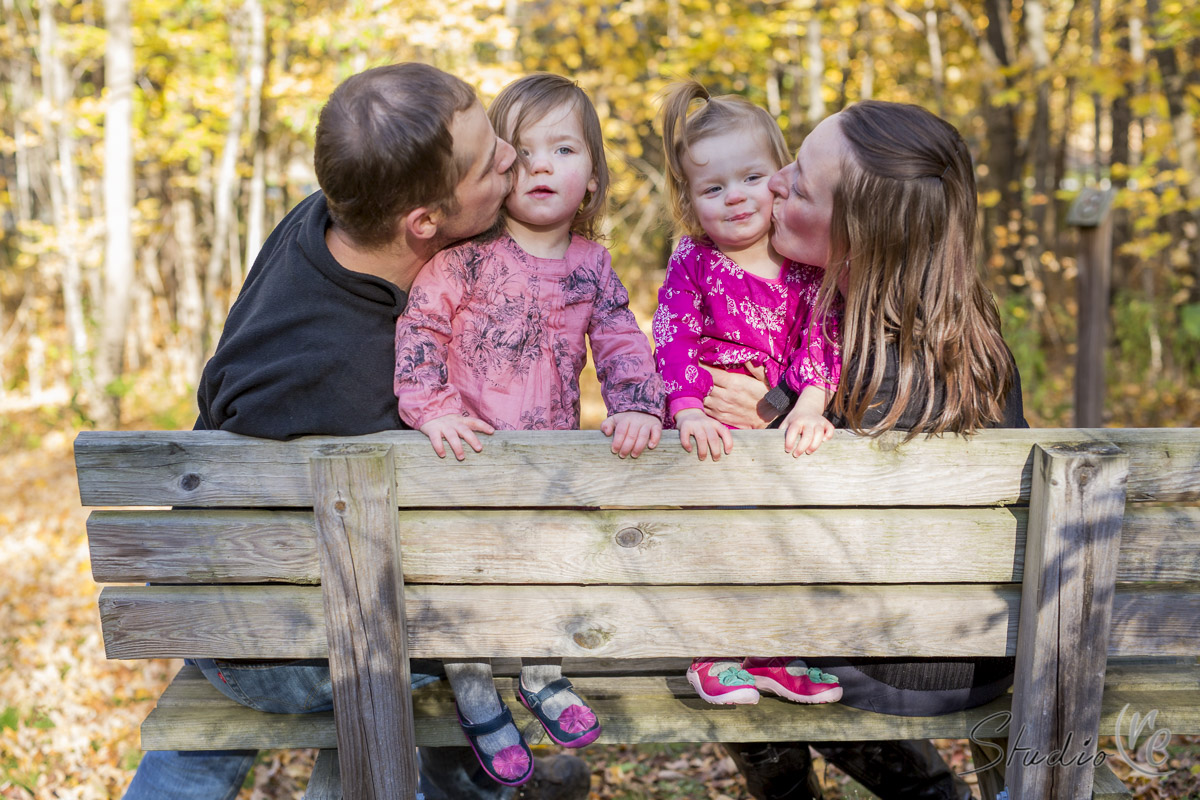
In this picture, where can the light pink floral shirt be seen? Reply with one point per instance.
(711, 311)
(494, 332)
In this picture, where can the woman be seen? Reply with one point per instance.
(883, 195)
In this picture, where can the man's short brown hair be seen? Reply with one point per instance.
(383, 147)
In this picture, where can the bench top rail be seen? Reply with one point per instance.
(576, 469)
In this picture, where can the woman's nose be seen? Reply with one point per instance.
(778, 182)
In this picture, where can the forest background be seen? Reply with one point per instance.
(147, 148)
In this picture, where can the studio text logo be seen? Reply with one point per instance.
(1147, 756)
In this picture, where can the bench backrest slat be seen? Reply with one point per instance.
(634, 622)
(558, 468)
(654, 546)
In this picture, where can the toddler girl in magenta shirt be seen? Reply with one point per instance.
(729, 301)
(494, 338)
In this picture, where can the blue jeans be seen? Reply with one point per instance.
(298, 687)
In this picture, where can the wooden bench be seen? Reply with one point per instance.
(1068, 549)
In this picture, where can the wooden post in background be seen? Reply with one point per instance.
(354, 499)
(1091, 214)
(1076, 506)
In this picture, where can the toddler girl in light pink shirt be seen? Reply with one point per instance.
(494, 338)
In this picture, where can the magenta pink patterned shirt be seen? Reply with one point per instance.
(497, 333)
(711, 311)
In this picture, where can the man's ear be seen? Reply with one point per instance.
(423, 222)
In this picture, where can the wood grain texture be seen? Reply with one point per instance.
(936, 545)
(288, 621)
(987, 755)
(576, 469)
(326, 780)
(653, 709)
(362, 586)
(1073, 540)
(575, 621)
(1107, 786)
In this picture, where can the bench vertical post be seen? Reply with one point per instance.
(362, 586)
(1076, 505)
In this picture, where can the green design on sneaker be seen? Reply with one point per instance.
(816, 676)
(735, 676)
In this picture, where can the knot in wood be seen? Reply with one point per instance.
(630, 537)
(189, 482)
(339, 507)
(1085, 473)
(589, 639)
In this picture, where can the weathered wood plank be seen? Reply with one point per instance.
(577, 547)
(984, 545)
(1074, 536)
(287, 621)
(653, 710)
(188, 546)
(565, 468)
(1107, 786)
(574, 621)
(987, 756)
(362, 586)
(326, 780)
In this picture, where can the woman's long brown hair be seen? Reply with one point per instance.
(903, 244)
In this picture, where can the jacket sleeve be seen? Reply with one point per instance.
(422, 385)
(677, 329)
(624, 363)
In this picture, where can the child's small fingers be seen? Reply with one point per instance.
(643, 439)
(481, 426)
(606, 427)
(701, 446)
(437, 447)
(685, 439)
(726, 439)
(790, 433)
(716, 444)
(655, 436)
(473, 440)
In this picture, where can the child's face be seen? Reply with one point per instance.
(555, 173)
(727, 179)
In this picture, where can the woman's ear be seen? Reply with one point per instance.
(423, 222)
(593, 184)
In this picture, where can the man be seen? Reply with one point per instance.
(408, 164)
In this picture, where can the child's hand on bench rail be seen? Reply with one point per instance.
(456, 429)
(632, 432)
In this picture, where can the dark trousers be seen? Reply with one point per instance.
(894, 770)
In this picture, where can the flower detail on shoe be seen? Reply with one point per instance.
(576, 719)
(817, 676)
(511, 763)
(735, 677)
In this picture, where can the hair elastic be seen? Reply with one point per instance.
(947, 169)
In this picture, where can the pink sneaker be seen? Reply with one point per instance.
(722, 682)
(805, 686)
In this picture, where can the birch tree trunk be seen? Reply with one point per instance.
(1034, 15)
(189, 308)
(221, 253)
(22, 100)
(64, 193)
(256, 207)
(867, 79)
(816, 68)
(118, 199)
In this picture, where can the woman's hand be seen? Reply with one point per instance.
(632, 432)
(710, 435)
(737, 400)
